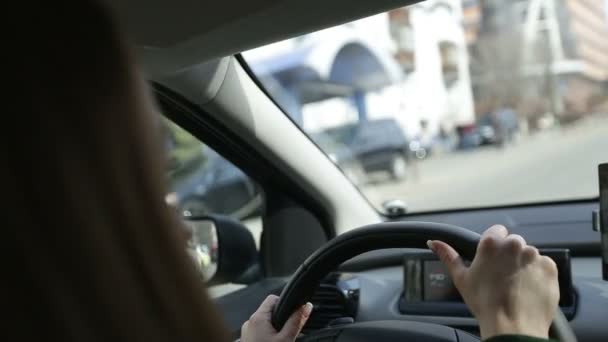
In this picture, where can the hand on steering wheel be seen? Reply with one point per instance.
(508, 287)
(259, 329)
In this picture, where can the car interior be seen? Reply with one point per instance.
(297, 237)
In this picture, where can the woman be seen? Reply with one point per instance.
(93, 253)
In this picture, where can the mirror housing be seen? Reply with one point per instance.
(237, 254)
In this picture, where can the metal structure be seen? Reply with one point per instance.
(542, 24)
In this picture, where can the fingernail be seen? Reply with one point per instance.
(431, 246)
(308, 308)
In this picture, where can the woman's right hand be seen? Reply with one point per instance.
(509, 287)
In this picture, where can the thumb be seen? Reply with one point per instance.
(450, 258)
(295, 323)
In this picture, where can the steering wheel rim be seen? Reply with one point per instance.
(409, 234)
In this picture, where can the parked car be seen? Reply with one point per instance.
(498, 128)
(486, 128)
(217, 179)
(378, 145)
(468, 136)
(342, 156)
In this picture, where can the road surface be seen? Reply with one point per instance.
(552, 165)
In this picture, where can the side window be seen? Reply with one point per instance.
(202, 182)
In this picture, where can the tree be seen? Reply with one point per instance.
(496, 69)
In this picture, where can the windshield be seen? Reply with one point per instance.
(454, 104)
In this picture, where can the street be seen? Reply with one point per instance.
(556, 164)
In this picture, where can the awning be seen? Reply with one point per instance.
(323, 69)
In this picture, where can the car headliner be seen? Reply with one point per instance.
(173, 35)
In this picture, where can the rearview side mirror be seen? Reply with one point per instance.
(232, 252)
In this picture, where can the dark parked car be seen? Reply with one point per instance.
(468, 136)
(378, 145)
(342, 156)
(204, 182)
(486, 128)
(497, 128)
(218, 187)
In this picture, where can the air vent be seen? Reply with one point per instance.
(337, 296)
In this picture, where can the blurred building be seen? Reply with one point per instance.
(431, 47)
(326, 78)
(587, 25)
(541, 56)
(409, 64)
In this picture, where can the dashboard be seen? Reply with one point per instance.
(380, 285)
(550, 227)
(381, 298)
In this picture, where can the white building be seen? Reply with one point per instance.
(344, 73)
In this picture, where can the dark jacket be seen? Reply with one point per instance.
(516, 338)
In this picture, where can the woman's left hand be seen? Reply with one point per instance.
(259, 329)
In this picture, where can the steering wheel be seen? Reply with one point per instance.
(307, 277)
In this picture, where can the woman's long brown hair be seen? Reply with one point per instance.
(92, 253)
